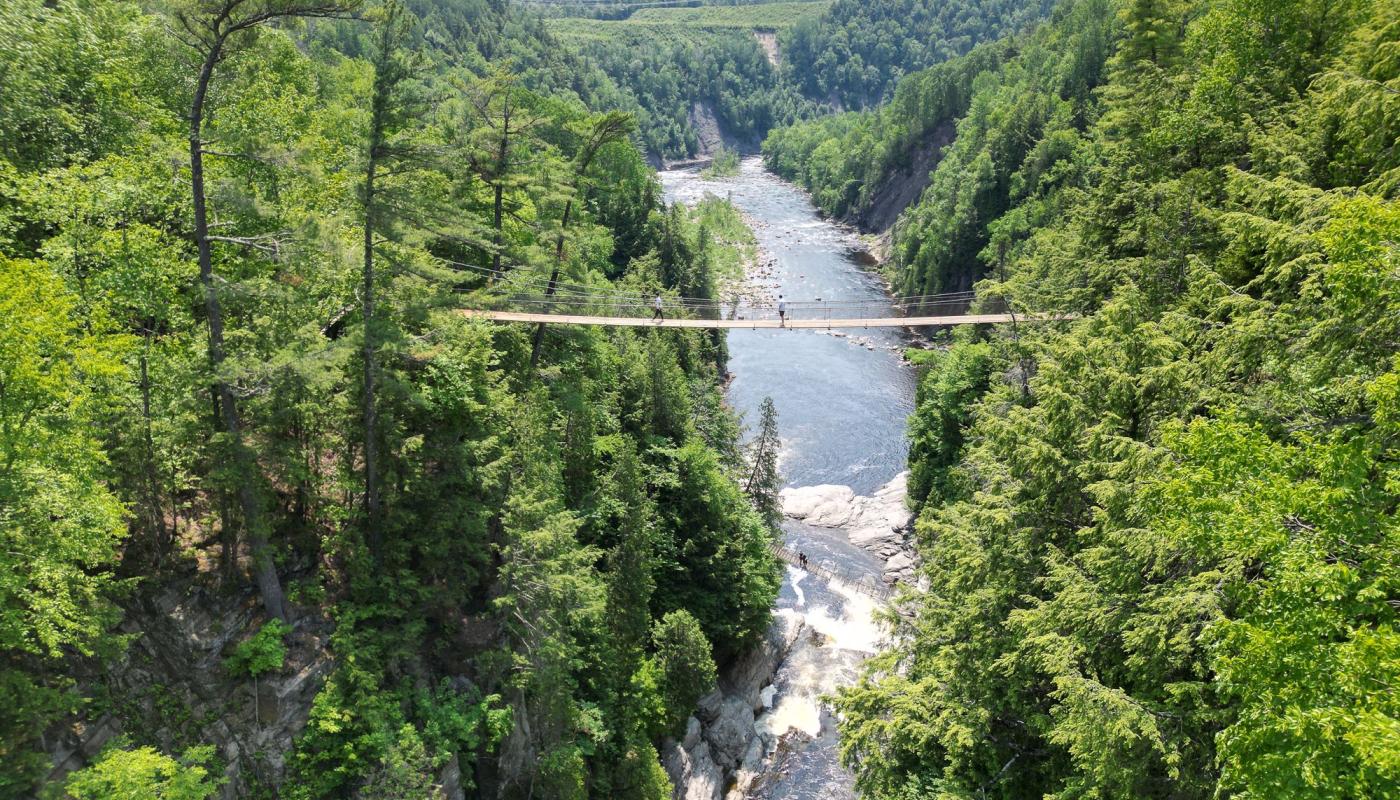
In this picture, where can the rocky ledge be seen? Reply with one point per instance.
(721, 752)
(880, 523)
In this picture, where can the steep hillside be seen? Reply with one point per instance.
(669, 61)
(855, 54)
(279, 521)
(1160, 540)
(867, 166)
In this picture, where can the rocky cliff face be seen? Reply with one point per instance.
(901, 188)
(768, 40)
(722, 752)
(172, 687)
(711, 134)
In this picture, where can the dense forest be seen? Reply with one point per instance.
(850, 162)
(1160, 541)
(247, 435)
(673, 65)
(855, 54)
(233, 234)
(670, 73)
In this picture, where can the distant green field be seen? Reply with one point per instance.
(764, 16)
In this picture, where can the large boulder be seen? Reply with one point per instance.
(707, 707)
(692, 733)
(729, 736)
(826, 506)
(900, 568)
(693, 773)
(878, 521)
(750, 770)
(874, 522)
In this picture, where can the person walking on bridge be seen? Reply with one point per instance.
(782, 311)
(656, 313)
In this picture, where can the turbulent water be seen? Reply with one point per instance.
(842, 406)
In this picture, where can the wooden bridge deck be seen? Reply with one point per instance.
(643, 322)
(864, 585)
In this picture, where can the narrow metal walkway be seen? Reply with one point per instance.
(862, 584)
(643, 322)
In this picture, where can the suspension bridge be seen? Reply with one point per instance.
(518, 296)
(823, 322)
(866, 585)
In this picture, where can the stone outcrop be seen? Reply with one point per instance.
(174, 684)
(720, 746)
(880, 523)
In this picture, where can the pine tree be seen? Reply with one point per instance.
(764, 482)
(613, 126)
(393, 109)
(683, 665)
(211, 30)
(630, 586)
(503, 140)
(630, 582)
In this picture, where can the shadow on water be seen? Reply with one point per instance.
(843, 402)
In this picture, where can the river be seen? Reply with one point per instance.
(843, 403)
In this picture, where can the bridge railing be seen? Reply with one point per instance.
(863, 583)
(581, 305)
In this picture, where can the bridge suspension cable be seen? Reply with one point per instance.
(525, 293)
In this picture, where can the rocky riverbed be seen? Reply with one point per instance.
(723, 749)
(742, 732)
(843, 399)
(881, 523)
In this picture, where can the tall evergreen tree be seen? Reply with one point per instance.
(393, 109)
(602, 130)
(764, 482)
(503, 143)
(211, 29)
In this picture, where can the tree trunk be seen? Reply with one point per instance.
(553, 278)
(157, 517)
(373, 534)
(265, 570)
(497, 217)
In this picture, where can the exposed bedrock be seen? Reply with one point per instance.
(880, 523)
(721, 750)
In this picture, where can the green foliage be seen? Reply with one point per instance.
(666, 72)
(516, 497)
(764, 481)
(1018, 107)
(715, 561)
(725, 164)
(1160, 541)
(952, 383)
(406, 772)
(857, 51)
(261, 653)
(764, 16)
(735, 245)
(60, 527)
(848, 161)
(681, 666)
(143, 773)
